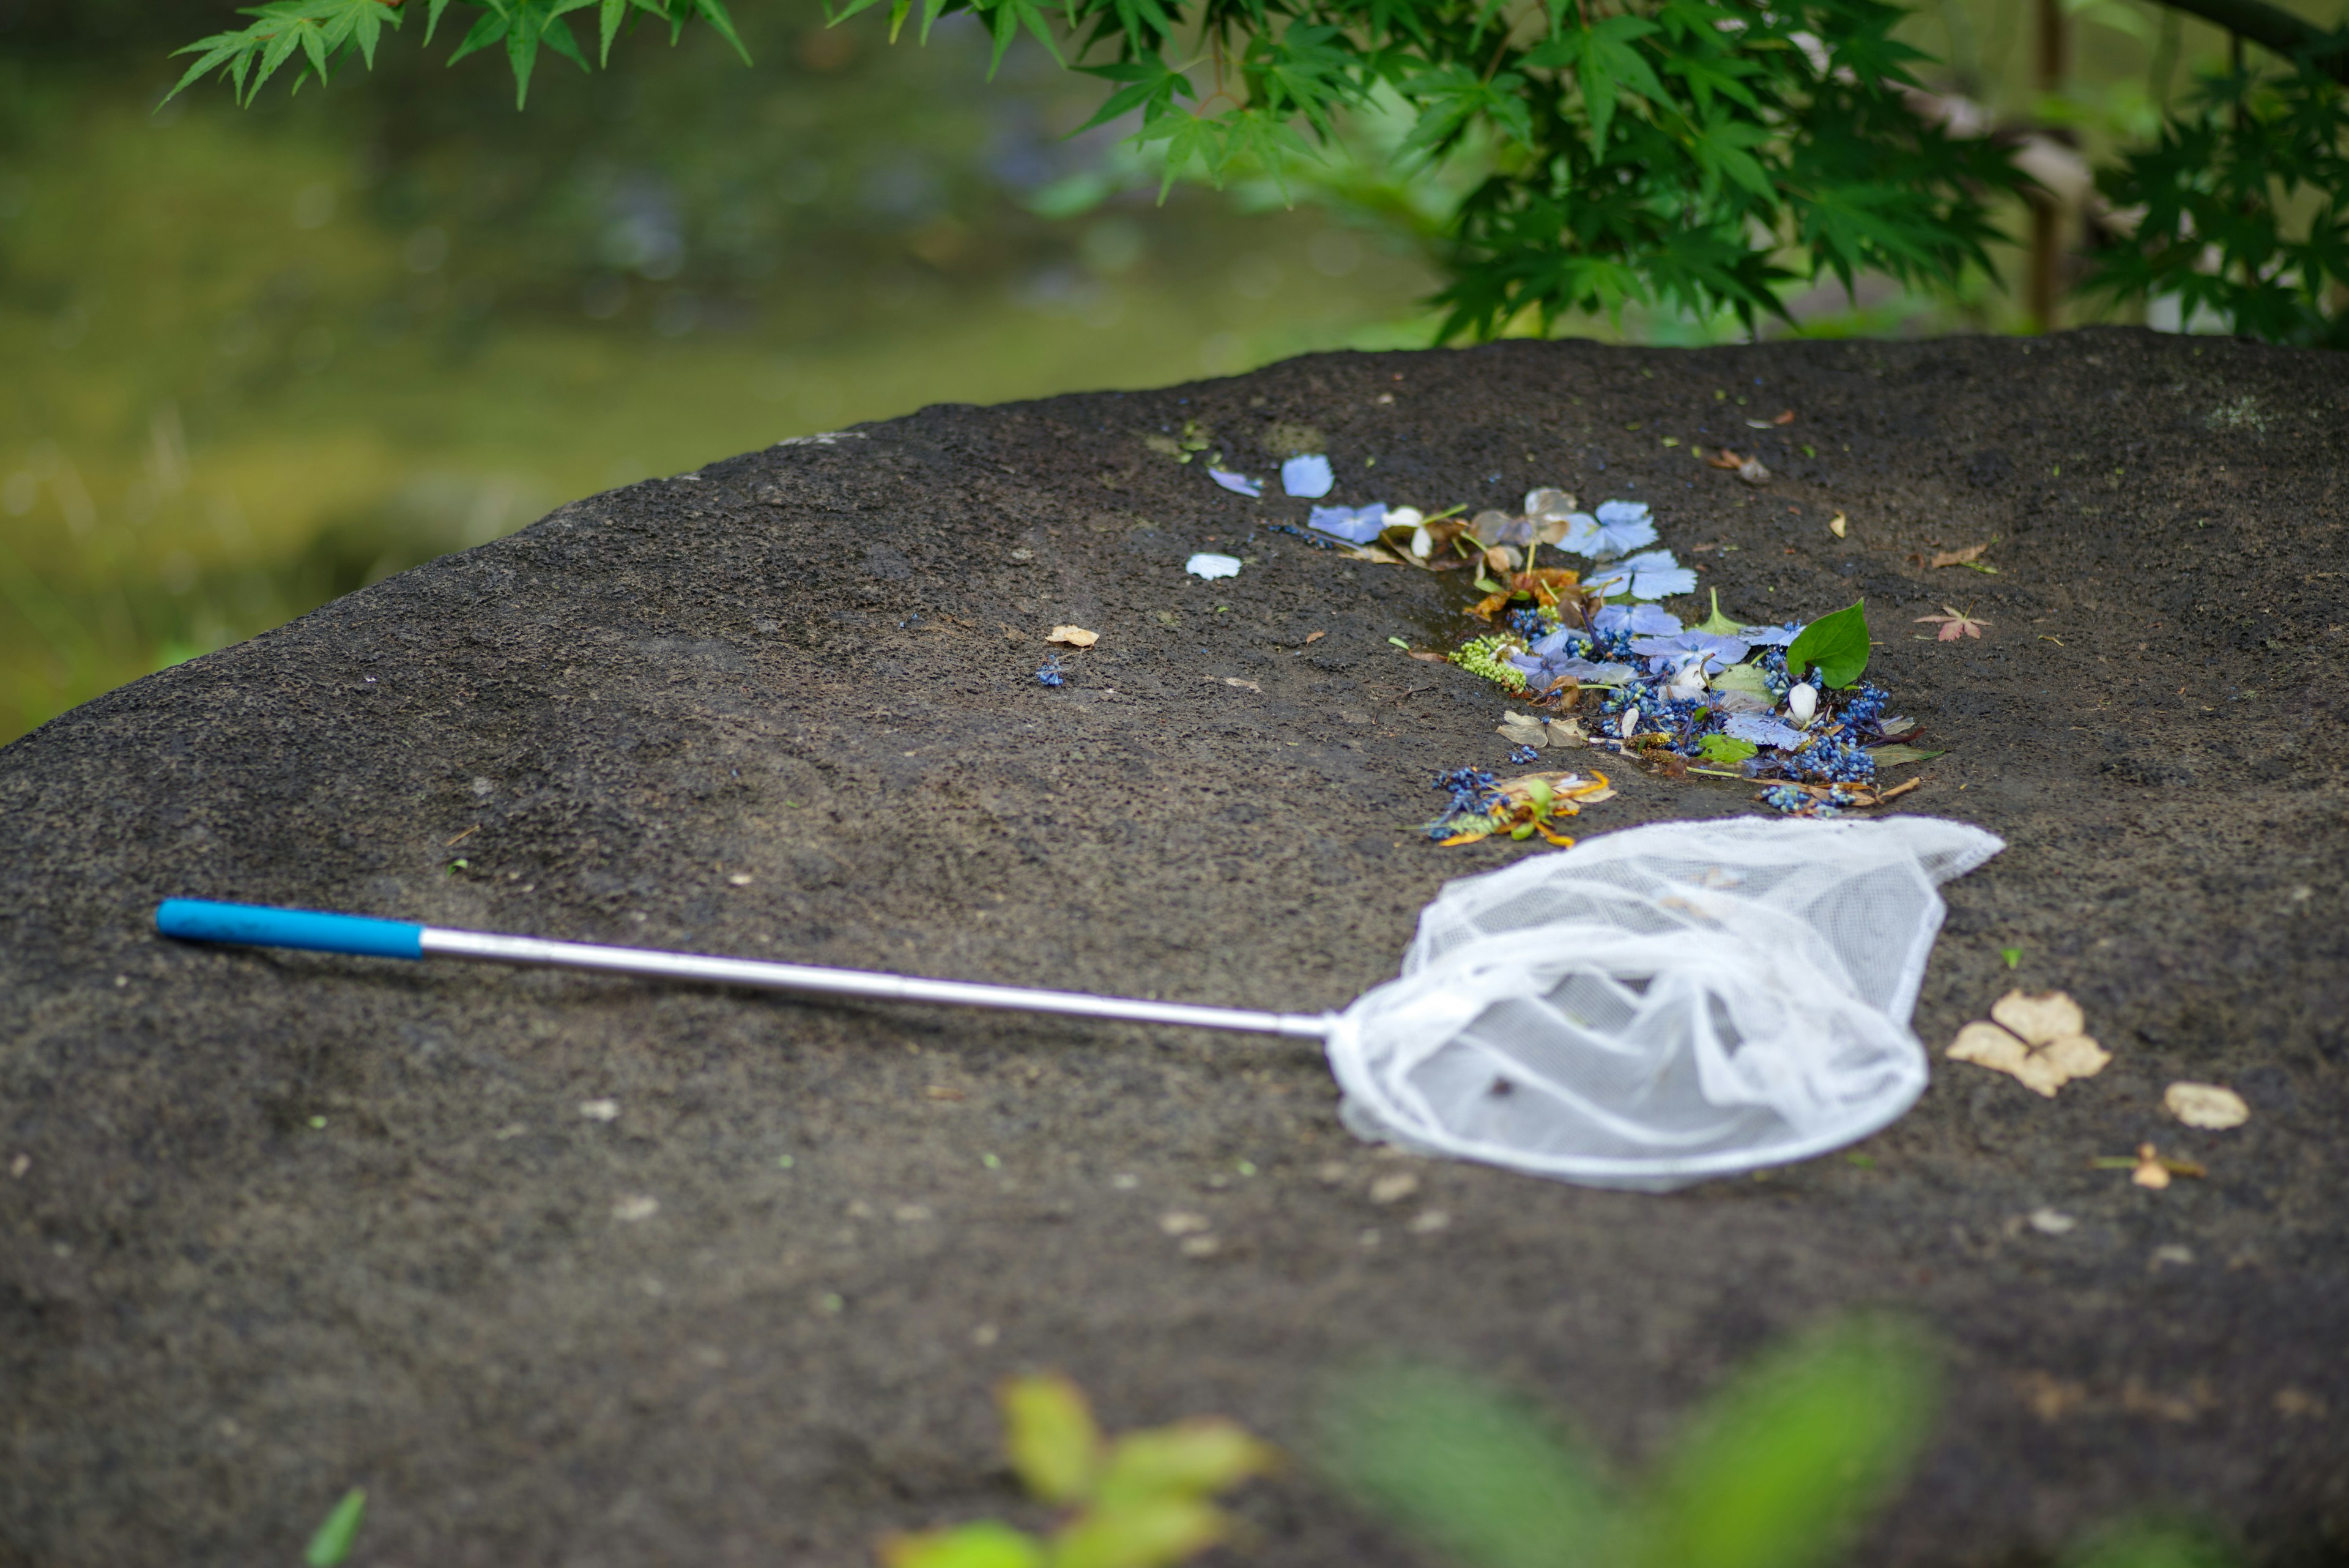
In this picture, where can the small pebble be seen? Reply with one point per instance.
(635, 1208)
(1394, 1187)
(1427, 1222)
(1201, 1246)
(2052, 1222)
(600, 1110)
(984, 1335)
(1181, 1223)
(912, 1213)
(1125, 1181)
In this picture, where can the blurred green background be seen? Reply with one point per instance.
(258, 358)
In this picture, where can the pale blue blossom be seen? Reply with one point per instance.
(1207, 564)
(1719, 652)
(1770, 635)
(1647, 620)
(1358, 523)
(1653, 576)
(1307, 478)
(1237, 482)
(1621, 526)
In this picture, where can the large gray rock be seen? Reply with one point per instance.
(812, 667)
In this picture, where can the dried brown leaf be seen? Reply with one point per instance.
(1074, 635)
(1966, 556)
(2048, 1016)
(2037, 1040)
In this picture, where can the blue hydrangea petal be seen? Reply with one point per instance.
(1240, 483)
(1307, 478)
(1356, 524)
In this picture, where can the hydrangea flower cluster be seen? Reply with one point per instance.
(1667, 687)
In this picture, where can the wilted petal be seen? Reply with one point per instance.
(1236, 482)
(1208, 565)
(1762, 730)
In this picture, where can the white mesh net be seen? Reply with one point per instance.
(1662, 1004)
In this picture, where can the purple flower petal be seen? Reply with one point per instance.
(1237, 482)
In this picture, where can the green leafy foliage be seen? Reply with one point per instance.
(1776, 1472)
(1783, 1466)
(2245, 198)
(1142, 1501)
(1728, 749)
(1836, 644)
(1694, 153)
(331, 1546)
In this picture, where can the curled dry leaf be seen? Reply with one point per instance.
(1964, 558)
(1245, 685)
(1752, 472)
(1568, 732)
(1313, 636)
(2207, 1106)
(1074, 635)
(2040, 1041)
(1725, 458)
(1521, 730)
(1840, 526)
(1786, 417)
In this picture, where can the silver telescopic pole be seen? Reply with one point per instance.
(875, 987)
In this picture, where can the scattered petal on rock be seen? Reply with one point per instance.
(1208, 565)
(1239, 483)
(1752, 472)
(1357, 525)
(2207, 1106)
(1074, 635)
(1307, 478)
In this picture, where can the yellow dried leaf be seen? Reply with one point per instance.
(1074, 635)
(2040, 1019)
(2207, 1106)
(1839, 525)
(1966, 556)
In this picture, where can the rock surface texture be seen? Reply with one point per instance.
(577, 1271)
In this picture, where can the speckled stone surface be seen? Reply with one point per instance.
(273, 1224)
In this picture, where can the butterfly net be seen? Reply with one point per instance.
(1662, 1004)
